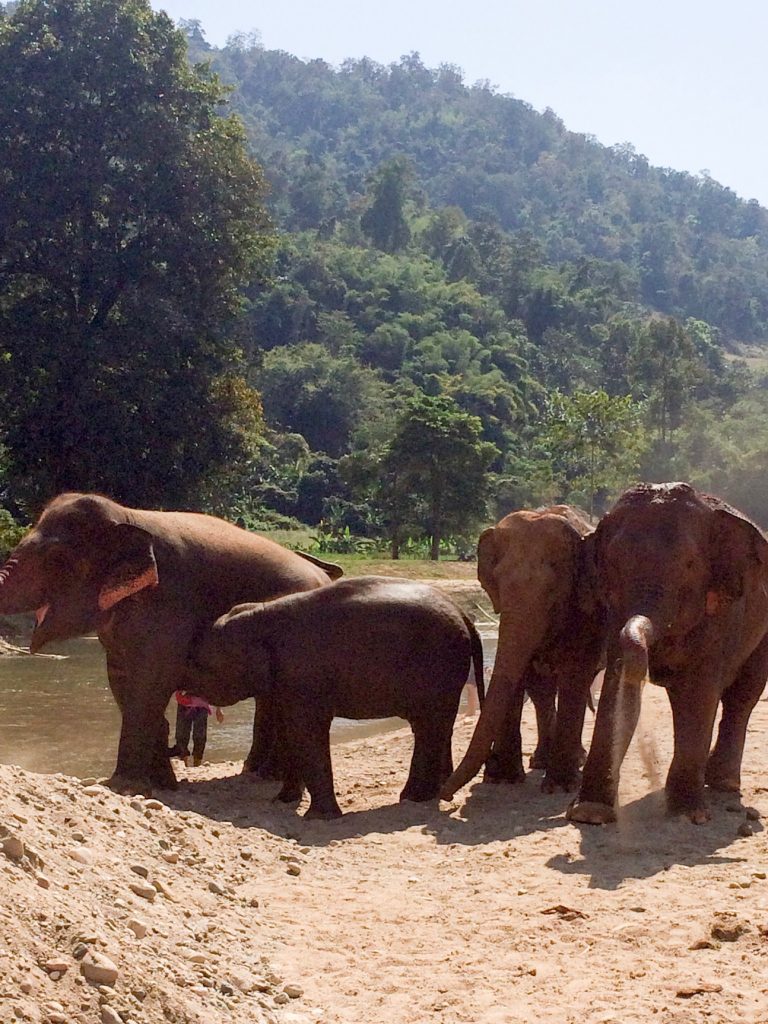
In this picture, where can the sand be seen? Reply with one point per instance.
(491, 909)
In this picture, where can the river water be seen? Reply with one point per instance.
(57, 714)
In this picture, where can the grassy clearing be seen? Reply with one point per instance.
(409, 568)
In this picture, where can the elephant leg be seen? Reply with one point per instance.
(506, 761)
(694, 707)
(431, 732)
(566, 756)
(307, 729)
(266, 758)
(446, 765)
(723, 770)
(541, 690)
(617, 715)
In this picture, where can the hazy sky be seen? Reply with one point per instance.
(684, 81)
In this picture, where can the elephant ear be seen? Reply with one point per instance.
(487, 557)
(736, 546)
(131, 568)
(586, 584)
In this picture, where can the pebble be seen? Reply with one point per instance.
(57, 966)
(216, 888)
(138, 927)
(154, 805)
(744, 829)
(43, 881)
(246, 853)
(293, 868)
(110, 1016)
(281, 999)
(98, 968)
(226, 989)
(146, 890)
(93, 790)
(752, 814)
(13, 847)
(294, 991)
(140, 869)
(27, 986)
(170, 856)
(81, 948)
(83, 855)
(79, 837)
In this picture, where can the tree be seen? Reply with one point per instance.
(595, 441)
(384, 221)
(437, 460)
(131, 216)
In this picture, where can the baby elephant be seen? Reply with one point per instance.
(366, 647)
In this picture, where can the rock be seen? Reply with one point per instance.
(154, 805)
(226, 989)
(139, 869)
(93, 790)
(744, 830)
(138, 927)
(216, 888)
(294, 991)
(146, 890)
(281, 999)
(752, 814)
(78, 837)
(170, 856)
(98, 968)
(57, 965)
(43, 881)
(246, 853)
(726, 927)
(83, 855)
(81, 948)
(696, 988)
(110, 1016)
(27, 986)
(293, 868)
(12, 847)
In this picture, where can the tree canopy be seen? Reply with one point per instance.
(131, 216)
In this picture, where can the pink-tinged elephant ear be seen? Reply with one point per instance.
(132, 567)
(487, 557)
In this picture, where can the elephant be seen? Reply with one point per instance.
(366, 647)
(684, 580)
(146, 582)
(534, 567)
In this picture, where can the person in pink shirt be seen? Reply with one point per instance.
(192, 720)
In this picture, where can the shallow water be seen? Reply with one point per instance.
(57, 714)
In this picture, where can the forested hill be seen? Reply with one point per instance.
(681, 244)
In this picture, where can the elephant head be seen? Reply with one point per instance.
(229, 661)
(668, 558)
(530, 566)
(79, 560)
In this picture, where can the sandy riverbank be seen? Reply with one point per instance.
(490, 910)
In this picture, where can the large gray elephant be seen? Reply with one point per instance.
(535, 567)
(369, 647)
(684, 580)
(146, 582)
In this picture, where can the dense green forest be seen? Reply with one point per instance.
(375, 300)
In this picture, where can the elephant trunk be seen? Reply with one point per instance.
(514, 653)
(635, 639)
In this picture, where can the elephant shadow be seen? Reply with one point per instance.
(645, 841)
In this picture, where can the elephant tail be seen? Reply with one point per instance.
(331, 569)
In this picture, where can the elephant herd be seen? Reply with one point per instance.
(671, 586)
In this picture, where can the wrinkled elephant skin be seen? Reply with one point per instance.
(684, 580)
(534, 565)
(146, 582)
(369, 647)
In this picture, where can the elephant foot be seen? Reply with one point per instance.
(721, 779)
(695, 809)
(539, 759)
(262, 772)
(326, 813)
(516, 778)
(291, 793)
(590, 812)
(556, 782)
(419, 792)
(127, 786)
